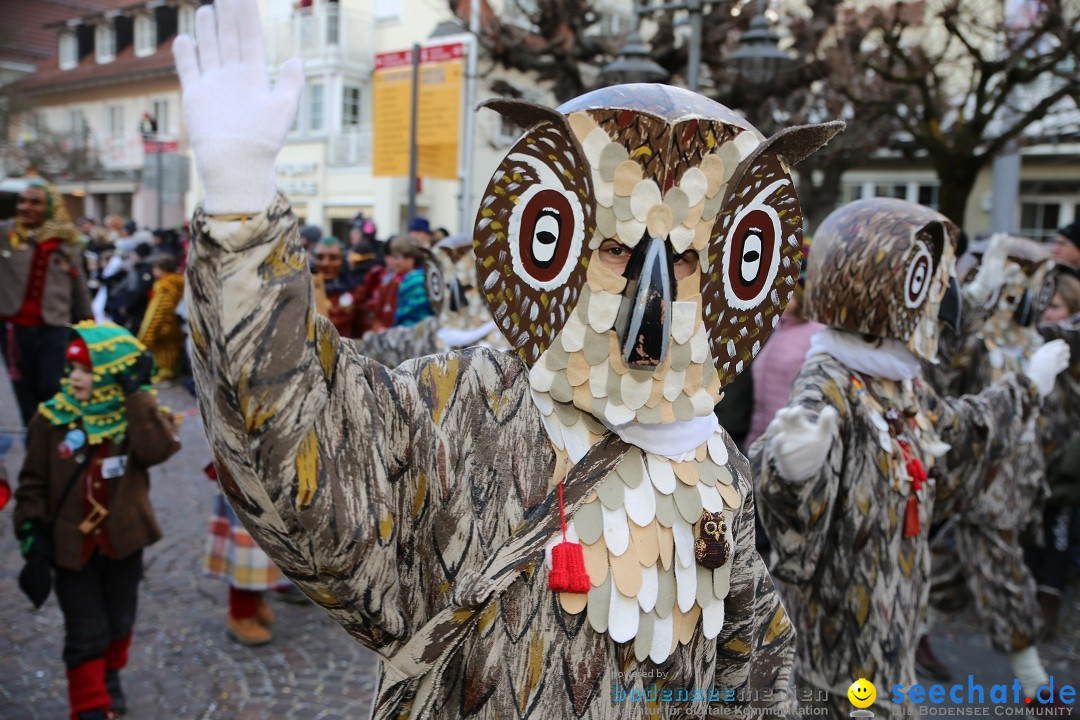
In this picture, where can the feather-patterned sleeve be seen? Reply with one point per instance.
(756, 649)
(980, 430)
(797, 514)
(1061, 411)
(271, 376)
(395, 345)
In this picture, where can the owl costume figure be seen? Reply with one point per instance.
(867, 456)
(560, 531)
(978, 557)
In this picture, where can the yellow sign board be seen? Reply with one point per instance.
(438, 125)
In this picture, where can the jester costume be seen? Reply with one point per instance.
(42, 291)
(160, 330)
(83, 506)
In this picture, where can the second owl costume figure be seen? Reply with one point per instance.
(552, 533)
(867, 456)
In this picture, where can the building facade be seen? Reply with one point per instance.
(101, 115)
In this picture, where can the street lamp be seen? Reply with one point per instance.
(634, 64)
(758, 58)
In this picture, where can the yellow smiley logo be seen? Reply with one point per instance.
(862, 693)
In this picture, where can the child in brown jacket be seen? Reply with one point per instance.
(83, 506)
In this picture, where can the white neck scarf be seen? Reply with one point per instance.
(888, 359)
(673, 440)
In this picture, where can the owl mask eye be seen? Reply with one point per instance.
(546, 234)
(549, 227)
(920, 271)
(752, 253)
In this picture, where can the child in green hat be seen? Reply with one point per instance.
(83, 506)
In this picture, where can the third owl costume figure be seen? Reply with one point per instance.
(551, 533)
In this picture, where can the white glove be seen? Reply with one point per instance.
(451, 338)
(236, 122)
(798, 444)
(991, 275)
(1046, 363)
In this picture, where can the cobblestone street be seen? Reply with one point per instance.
(184, 667)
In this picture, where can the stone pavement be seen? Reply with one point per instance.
(183, 667)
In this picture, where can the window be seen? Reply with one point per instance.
(186, 20)
(929, 195)
(145, 35)
(78, 129)
(316, 120)
(104, 43)
(852, 192)
(350, 107)
(160, 112)
(333, 25)
(69, 50)
(891, 190)
(1039, 220)
(76, 122)
(115, 117)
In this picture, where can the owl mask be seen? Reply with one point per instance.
(885, 268)
(1027, 287)
(636, 247)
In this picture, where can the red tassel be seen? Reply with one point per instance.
(568, 573)
(917, 472)
(911, 517)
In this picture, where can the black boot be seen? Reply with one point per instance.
(112, 684)
(94, 715)
(927, 662)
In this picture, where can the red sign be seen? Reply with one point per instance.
(152, 147)
(401, 58)
(433, 53)
(442, 53)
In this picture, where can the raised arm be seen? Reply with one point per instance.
(980, 429)
(797, 464)
(311, 439)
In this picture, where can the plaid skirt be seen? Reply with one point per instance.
(232, 556)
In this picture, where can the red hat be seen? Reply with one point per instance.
(77, 352)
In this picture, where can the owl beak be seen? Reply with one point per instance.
(644, 320)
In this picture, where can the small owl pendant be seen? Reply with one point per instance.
(712, 549)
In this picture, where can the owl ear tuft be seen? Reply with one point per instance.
(525, 115)
(795, 144)
(792, 145)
